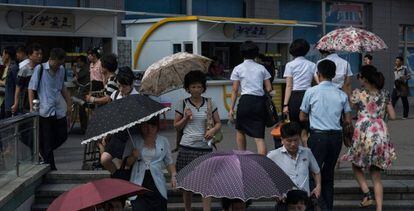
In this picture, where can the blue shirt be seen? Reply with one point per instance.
(160, 161)
(296, 168)
(324, 104)
(51, 84)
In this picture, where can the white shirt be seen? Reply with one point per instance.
(343, 68)
(133, 92)
(301, 70)
(251, 76)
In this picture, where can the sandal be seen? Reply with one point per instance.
(367, 200)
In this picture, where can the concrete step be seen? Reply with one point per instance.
(397, 173)
(74, 176)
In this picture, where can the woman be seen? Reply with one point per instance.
(109, 65)
(250, 77)
(299, 74)
(95, 69)
(190, 117)
(149, 155)
(125, 79)
(371, 147)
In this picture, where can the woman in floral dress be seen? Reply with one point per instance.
(371, 148)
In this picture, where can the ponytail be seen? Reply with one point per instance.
(373, 76)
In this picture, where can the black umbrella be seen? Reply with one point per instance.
(120, 115)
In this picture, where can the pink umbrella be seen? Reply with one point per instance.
(93, 193)
(351, 39)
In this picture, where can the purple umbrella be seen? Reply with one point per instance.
(234, 175)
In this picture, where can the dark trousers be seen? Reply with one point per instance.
(394, 99)
(83, 118)
(149, 201)
(326, 147)
(53, 133)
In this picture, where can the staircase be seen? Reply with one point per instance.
(398, 191)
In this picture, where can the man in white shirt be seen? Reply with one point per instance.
(343, 72)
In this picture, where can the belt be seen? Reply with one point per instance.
(325, 131)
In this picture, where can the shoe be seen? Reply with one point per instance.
(367, 200)
(404, 118)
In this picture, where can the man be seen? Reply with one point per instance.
(21, 53)
(55, 104)
(343, 71)
(323, 105)
(82, 78)
(402, 75)
(26, 68)
(368, 59)
(295, 160)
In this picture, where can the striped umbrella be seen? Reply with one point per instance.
(351, 39)
(235, 175)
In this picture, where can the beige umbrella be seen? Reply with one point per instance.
(168, 73)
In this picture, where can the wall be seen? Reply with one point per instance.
(262, 8)
(228, 8)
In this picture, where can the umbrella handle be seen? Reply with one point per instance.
(130, 137)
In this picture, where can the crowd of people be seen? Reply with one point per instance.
(311, 142)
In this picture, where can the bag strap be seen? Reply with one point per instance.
(210, 120)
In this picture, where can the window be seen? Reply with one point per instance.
(176, 47)
(188, 47)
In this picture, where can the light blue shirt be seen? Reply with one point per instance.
(324, 104)
(296, 168)
(159, 162)
(51, 100)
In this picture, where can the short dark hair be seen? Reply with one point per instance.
(400, 58)
(95, 51)
(195, 76)
(57, 54)
(125, 76)
(155, 120)
(290, 129)
(109, 62)
(372, 75)
(21, 49)
(296, 196)
(368, 56)
(249, 50)
(327, 68)
(324, 51)
(83, 59)
(299, 47)
(11, 51)
(34, 47)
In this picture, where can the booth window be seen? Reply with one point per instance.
(176, 47)
(188, 47)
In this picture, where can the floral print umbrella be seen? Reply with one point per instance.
(351, 39)
(168, 73)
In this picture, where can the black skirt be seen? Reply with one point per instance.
(250, 117)
(151, 200)
(295, 102)
(188, 154)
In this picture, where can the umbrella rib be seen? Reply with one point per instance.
(177, 74)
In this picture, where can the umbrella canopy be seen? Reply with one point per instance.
(120, 115)
(234, 175)
(168, 73)
(351, 39)
(94, 193)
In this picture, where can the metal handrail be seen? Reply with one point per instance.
(15, 122)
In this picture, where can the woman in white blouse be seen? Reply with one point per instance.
(150, 154)
(299, 74)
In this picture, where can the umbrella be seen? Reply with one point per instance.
(168, 73)
(94, 193)
(120, 115)
(234, 175)
(351, 39)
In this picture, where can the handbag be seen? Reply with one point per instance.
(347, 133)
(402, 88)
(276, 130)
(272, 116)
(122, 173)
(218, 137)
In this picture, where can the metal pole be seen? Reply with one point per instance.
(323, 17)
(189, 7)
(36, 131)
(16, 147)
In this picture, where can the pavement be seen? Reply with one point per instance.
(70, 155)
